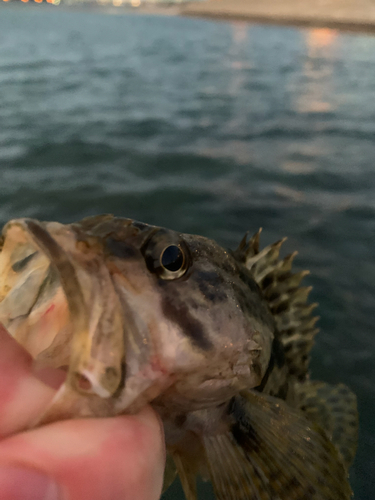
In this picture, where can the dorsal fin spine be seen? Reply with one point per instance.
(286, 298)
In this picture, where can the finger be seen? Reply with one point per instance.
(23, 396)
(117, 458)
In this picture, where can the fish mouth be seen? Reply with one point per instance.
(24, 280)
(81, 374)
(65, 270)
(95, 319)
(19, 302)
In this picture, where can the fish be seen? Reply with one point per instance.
(217, 341)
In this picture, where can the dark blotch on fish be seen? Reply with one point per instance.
(242, 430)
(243, 436)
(210, 284)
(177, 312)
(121, 249)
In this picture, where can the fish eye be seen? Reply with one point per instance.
(172, 258)
(169, 260)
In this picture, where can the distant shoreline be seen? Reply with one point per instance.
(349, 15)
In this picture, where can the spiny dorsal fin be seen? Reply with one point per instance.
(286, 298)
(334, 409)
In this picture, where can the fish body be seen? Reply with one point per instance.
(216, 341)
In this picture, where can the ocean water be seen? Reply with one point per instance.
(209, 128)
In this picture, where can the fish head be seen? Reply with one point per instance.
(138, 313)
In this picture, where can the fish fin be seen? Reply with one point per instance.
(233, 477)
(334, 409)
(187, 476)
(170, 472)
(286, 298)
(273, 452)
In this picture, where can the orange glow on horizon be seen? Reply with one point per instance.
(321, 37)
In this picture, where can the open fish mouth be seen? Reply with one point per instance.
(39, 287)
(24, 271)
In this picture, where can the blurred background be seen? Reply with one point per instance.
(206, 127)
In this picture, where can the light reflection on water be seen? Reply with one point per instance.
(317, 94)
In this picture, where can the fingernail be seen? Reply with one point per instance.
(18, 483)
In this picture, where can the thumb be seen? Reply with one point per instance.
(86, 459)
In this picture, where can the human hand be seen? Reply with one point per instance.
(117, 458)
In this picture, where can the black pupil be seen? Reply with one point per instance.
(172, 258)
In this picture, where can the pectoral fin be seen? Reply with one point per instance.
(273, 452)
